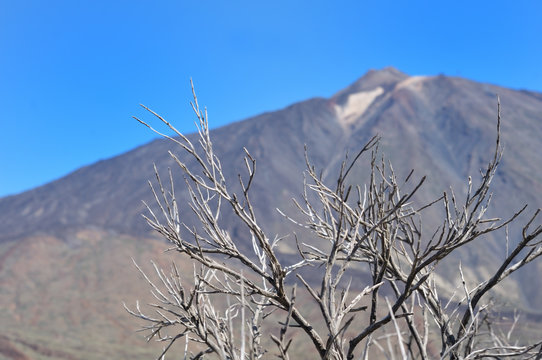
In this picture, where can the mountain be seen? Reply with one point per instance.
(65, 247)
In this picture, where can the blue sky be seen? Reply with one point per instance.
(73, 72)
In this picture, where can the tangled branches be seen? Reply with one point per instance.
(375, 230)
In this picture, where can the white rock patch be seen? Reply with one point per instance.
(413, 82)
(356, 105)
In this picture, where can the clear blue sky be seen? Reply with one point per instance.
(73, 72)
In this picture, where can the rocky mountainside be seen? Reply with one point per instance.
(443, 127)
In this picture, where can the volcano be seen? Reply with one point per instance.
(65, 247)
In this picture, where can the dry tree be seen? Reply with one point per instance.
(234, 297)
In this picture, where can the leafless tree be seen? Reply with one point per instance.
(233, 296)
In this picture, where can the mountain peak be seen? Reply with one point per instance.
(385, 78)
(389, 71)
(352, 102)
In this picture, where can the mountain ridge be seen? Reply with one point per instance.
(463, 108)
